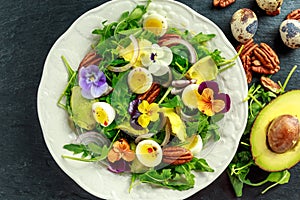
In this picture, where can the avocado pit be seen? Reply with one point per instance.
(283, 133)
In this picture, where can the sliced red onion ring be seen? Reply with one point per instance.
(170, 77)
(167, 134)
(92, 137)
(191, 49)
(145, 136)
(133, 60)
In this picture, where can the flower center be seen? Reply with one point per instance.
(153, 56)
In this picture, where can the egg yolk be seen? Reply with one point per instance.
(154, 25)
(149, 152)
(101, 116)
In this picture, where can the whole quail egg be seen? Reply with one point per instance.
(272, 7)
(243, 24)
(290, 33)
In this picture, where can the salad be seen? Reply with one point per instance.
(145, 100)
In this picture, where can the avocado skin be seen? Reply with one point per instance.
(266, 159)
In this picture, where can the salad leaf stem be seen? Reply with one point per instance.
(287, 79)
(165, 95)
(64, 92)
(69, 69)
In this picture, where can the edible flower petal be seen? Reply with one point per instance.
(149, 113)
(210, 101)
(177, 125)
(120, 150)
(92, 82)
(157, 59)
(129, 52)
(119, 166)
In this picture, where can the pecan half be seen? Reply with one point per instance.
(151, 94)
(295, 14)
(176, 155)
(222, 3)
(270, 84)
(91, 58)
(167, 37)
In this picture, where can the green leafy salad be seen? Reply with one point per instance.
(144, 100)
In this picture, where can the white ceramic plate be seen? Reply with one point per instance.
(75, 43)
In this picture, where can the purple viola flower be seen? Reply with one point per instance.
(216, 95)
(119, 166)
(134, 113)
(92, 82)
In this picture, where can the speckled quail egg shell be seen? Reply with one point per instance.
(243, 24)
(269, 5)
(103, 113)
(290, 33)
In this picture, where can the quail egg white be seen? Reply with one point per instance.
(103, 113)
(290, 33)
(149, 153)
(155, 23)
(243, 24)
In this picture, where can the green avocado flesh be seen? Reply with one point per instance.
(266, 159)
(82, 110)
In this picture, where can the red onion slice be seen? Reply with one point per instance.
(133, 60)
(191, 49)
(92, 137)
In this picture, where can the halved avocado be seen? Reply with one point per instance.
(82, 109)
(264, 157)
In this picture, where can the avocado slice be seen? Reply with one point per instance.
(264, 157)
(82, 110)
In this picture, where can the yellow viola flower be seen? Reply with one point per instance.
(149, 113)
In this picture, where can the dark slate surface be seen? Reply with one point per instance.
(28, 29)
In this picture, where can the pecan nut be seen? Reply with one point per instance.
(267, 58)
(222, 3)
(151, 94)
(270, 84)
(91, 58)
(261, 59)
(295, 14)
(176, 155)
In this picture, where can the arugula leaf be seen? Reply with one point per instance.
(77, 149)
(201, 37)
(175, 177)
(172, 103)
(95, 152)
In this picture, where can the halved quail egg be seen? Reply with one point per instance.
(189, 97)
(149, 153)
(139, 80)
(194, 144)
(155, 23)
(103, 113)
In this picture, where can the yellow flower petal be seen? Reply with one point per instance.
(144, 107)
(144, 120)
(206, 108)
(154, 117)
(178, 127)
